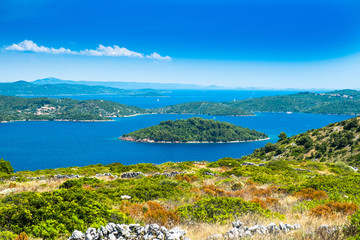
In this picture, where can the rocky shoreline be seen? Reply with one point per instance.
(147, 140)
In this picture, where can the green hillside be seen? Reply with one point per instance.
(335, 142)
(194, 129)
(335, 102)
(17, 108)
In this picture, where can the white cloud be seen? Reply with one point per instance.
(114, 51)
(30, 46)
(157, 56)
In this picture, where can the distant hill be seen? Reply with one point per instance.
(128, 85)
(335, 142)
(18, 108)
(194, 129)
(204, 108)
(334, 102)
(58, 87)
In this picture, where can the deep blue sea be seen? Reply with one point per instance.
(41, 145)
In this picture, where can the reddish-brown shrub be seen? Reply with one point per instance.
(321, 211)
(330, 208)
(158, 214)
(259, 201)
(189, 179)
(310, 194)
(22, 236)
(262, 192)
(268, 202)
(344, 208)
(213, 190)
(135, 210)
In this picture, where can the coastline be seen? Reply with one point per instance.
(56, 120)
(146, 140)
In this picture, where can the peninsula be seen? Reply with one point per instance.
(23, 109)
(194, 130)
(339, 102)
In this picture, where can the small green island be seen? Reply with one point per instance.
(194, 130)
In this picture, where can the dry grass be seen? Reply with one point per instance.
(309, 227)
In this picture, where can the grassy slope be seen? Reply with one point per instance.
(335, 142)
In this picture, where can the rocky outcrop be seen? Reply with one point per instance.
(239, 231)
(66, 176)
(253, 164)
(106, 175)
(114, 231)
(171, 174)
(132, 175)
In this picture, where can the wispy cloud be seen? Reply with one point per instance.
(157, 56)
(113, 51)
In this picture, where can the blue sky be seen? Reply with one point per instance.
(243, 43)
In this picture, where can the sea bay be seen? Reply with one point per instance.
(46, 144)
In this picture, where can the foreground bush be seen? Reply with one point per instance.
(5, 167)
(158, 214)
(220, 209)
(331, 208)
(51, 214)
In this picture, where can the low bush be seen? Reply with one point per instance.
(310, 194)
(221, 209)
(51, 214)
(224, 162)
(79, 182)
(331, 208)
(158, 214)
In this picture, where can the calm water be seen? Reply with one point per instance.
(40, 145)
(183, 96)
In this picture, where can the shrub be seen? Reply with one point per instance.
(331, 208)
(224, 162)
(268, 202)
(214, 191)
(310, 194)
(5, 167)
(64, 210)
(158, 214)
(355, 224)
(220, 209)
(236, 186)
(22, 236)
(79, 182)
(6, 235)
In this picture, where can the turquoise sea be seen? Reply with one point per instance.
(41, 145)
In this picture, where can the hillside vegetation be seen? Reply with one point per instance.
(335, 102)
(200, 197)
(333, 143)
(194, 129)
(17, 108)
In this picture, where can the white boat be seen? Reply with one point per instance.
(288, 112)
